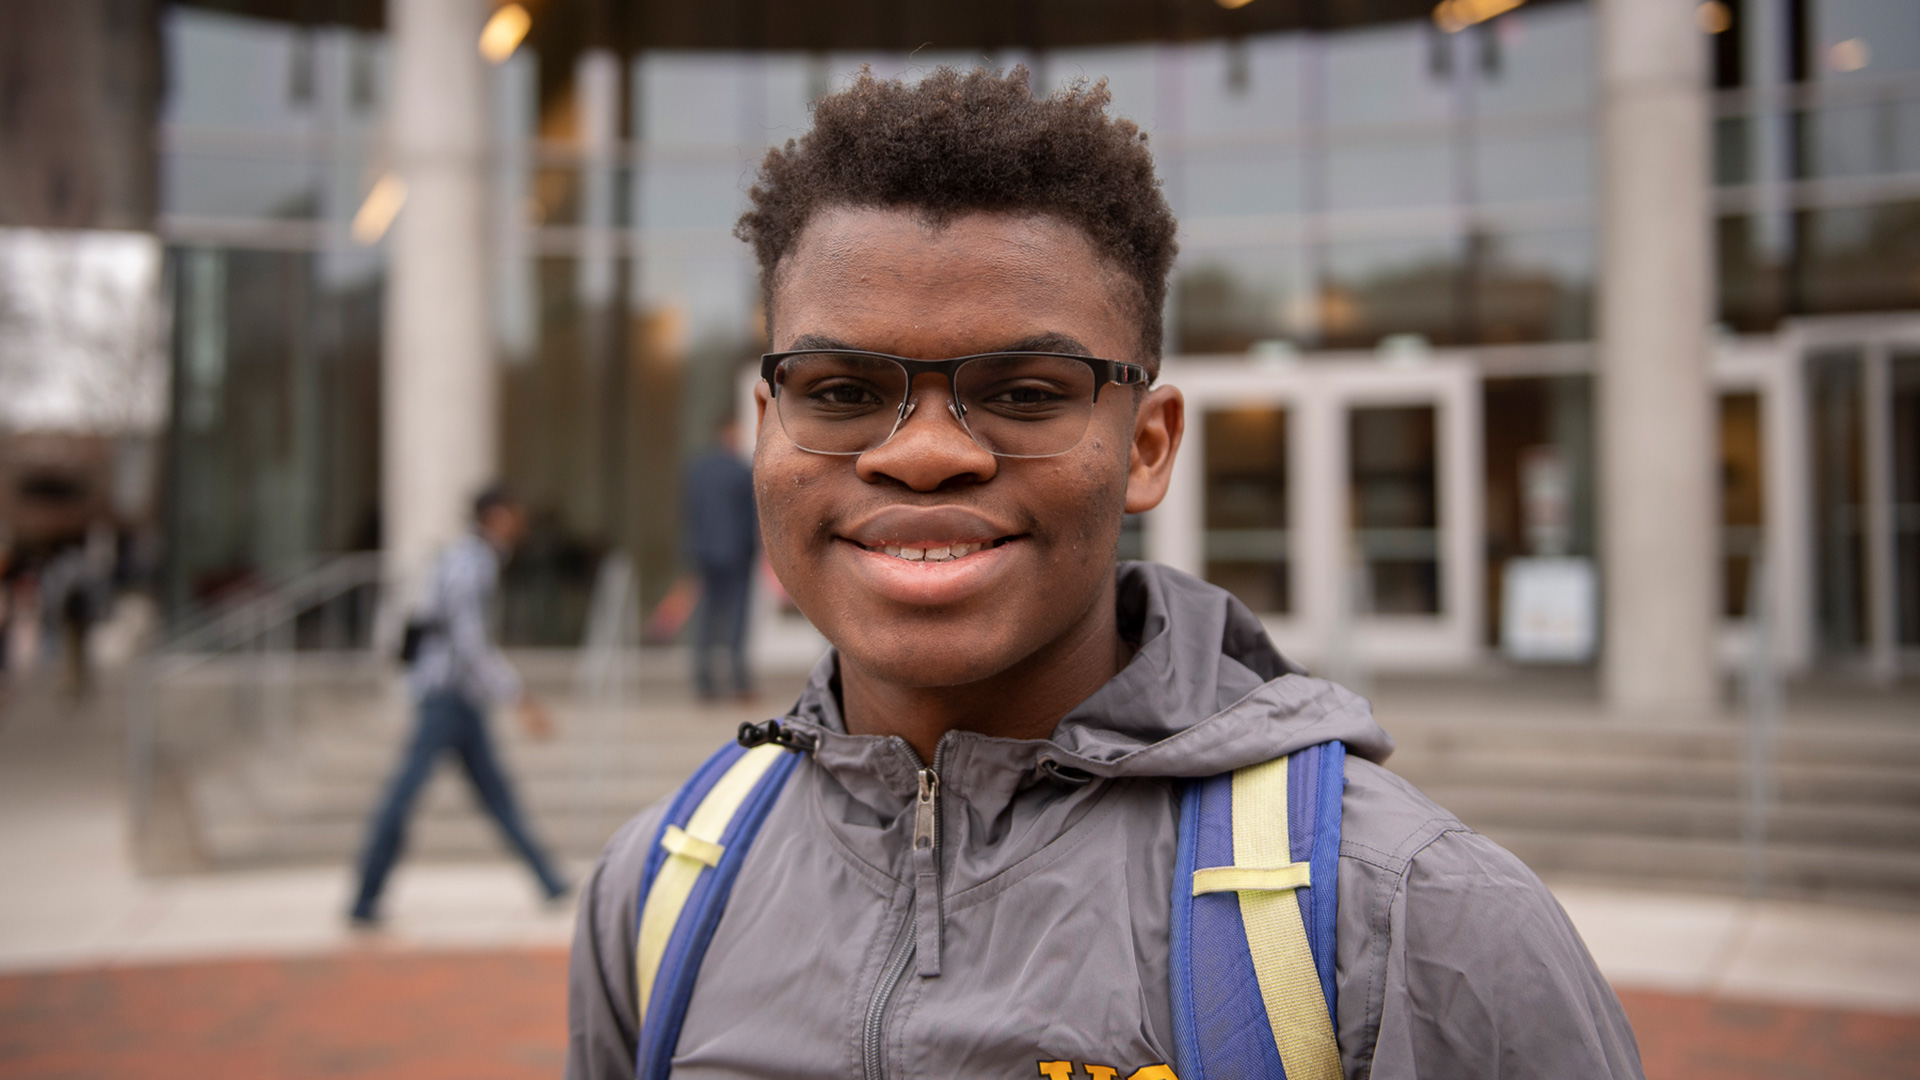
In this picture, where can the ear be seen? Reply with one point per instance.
(760, 402)
(1157, 429)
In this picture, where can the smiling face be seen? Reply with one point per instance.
(928, 561)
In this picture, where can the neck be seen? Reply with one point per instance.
(1024, 701)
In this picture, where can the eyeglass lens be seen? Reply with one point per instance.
(1013, 405)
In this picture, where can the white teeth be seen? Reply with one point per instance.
(945, 553)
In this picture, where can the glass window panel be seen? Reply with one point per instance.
(230, 185)
(1544, 62)
(1412, 171)
(694, 98)
(1532, 286)
(276, 441)
(231, 72)
(1742, 499)
(704, 191)
(1833, 399)
(1227, 181)
(1243, 88)
(790, 83)
(1904, 374)
(1886, 28)
(1394, 496)
(1226, 300)
(1246, 506)
(1733, 150)
(1534, 168)
(1881, 136)
(1370, 289)
(1529, 425)
(1132, 73)
(1384, 74)
(1752, 275)
(1858, 258)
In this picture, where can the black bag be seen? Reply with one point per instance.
(414, 636)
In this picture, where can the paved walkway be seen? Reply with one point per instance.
(105, 972)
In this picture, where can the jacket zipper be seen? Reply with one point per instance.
(919, 934)
(873, 1049)
(926, 873)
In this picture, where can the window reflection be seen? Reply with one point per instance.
(1246, 506)
(1394, 496)
(1230, 300)
(1858, 258)
(1372, 289)
(1742, 499)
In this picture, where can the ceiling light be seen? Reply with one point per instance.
(504, 33)
(1849, 55)
(377, 212)
(1454, 16)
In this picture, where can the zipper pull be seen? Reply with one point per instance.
(926, 873)
(926, 814)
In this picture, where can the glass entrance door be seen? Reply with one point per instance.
(1863, 436)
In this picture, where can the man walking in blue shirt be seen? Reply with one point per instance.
(457, 675)
(721, 539)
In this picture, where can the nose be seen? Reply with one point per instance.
(930, 450)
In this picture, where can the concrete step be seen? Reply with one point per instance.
(1864, 826)
(1577, 795)
(1792, 870)
(1865, 782)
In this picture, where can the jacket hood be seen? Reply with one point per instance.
(1205, 693)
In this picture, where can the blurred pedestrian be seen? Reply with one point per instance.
(456, 675)
(6, 600)
(76, 590)
(721, 539)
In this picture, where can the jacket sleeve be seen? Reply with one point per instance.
(467, 589)
(602, 1035)
(1487, 977)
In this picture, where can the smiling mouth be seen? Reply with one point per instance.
(934, 553)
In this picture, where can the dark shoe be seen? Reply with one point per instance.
(365, 922)
(560, 897)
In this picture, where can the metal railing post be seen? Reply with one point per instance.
(1762, 695)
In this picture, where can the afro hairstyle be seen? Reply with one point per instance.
(956, 143)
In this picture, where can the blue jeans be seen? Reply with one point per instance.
(445, 722)
(721, 622)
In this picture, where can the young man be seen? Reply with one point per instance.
(720, 537)
(456, 677)
(952, 530)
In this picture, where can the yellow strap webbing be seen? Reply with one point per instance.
(1276, 932)
(678, 841)
(691, 850)
(1242, 878)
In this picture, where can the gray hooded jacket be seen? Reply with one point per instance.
(1040, 934)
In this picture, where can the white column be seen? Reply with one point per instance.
(1659, 502)
(438, 422)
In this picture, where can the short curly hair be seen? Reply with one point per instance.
(958, 142)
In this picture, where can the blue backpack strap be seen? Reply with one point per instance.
(690, 870)
(1254, 922)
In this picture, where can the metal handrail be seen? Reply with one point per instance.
(287, 601)
(258, 627)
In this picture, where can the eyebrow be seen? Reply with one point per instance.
(1051, 341)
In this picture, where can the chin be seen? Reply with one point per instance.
(924, 664)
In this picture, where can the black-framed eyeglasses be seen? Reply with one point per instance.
(1014, 404)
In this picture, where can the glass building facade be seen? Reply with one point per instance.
(1359, 188)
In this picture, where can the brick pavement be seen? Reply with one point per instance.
(373, 1014)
